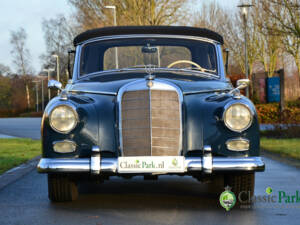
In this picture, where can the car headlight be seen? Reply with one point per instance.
(238, 117)
(63, 118)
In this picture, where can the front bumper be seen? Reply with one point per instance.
(97, 165)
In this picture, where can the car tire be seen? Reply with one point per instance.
(242, 185)
(61, 188)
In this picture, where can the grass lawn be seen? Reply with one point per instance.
(14, 152)
(284, 147)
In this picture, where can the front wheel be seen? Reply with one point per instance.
(242, 185)
(61, 188)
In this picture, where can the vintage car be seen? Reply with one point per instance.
(149, 101)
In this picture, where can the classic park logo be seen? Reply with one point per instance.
(282, 199)
(227, 199)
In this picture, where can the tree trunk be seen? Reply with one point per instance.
(28, 96)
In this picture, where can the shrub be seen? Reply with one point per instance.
(270, 113)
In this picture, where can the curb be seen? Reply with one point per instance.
(16, 173)
(283, 159)
(6, 136)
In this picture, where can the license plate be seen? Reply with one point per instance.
(151, 164)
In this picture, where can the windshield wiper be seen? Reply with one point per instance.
(202, 74)
(141, 66)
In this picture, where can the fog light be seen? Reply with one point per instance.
(238, 144)
(64, 146)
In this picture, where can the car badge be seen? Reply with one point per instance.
(150, 69)
(150, 79)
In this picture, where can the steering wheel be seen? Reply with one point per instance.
(185, 61)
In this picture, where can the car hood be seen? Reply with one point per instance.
(185, 86)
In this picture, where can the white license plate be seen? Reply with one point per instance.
(151, 164)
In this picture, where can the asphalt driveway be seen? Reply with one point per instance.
(21, 127)
(170, 200)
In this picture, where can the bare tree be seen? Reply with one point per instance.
(285, 23)
(92, 13)
(4, 70)
(58, 33)
(229, 25)
(268, 44)
(262, 46)
(21, 57)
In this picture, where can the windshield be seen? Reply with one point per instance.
(145, 52)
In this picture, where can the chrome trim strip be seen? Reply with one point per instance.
(205, 91)
(76, 66)
(110, 165)
(147, 81)
(141, 84)
(221, 70)
(95, 92)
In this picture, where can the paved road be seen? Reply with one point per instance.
(21, 127)
(170, 200)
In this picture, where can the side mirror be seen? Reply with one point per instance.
(54, 84)
(242, 83)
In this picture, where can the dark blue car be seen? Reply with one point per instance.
(149, 101)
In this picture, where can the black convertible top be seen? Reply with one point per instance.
(173, 30)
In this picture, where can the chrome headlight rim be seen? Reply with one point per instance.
(229, 105)
(73, 109)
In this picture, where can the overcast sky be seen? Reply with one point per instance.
(29, 15)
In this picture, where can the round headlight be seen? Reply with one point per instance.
(63, 119)
(238, 117)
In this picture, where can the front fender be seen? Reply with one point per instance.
(205, 126)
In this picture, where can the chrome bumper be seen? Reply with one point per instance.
(110, 165)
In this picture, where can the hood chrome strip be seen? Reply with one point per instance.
(95, 92)
(205, 91)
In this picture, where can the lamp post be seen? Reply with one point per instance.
(43, 105)
(57, 67)
(48, 71)
(113, 7)
(244, 10)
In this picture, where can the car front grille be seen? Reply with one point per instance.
(151, 123)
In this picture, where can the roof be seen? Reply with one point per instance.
(172, 30)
